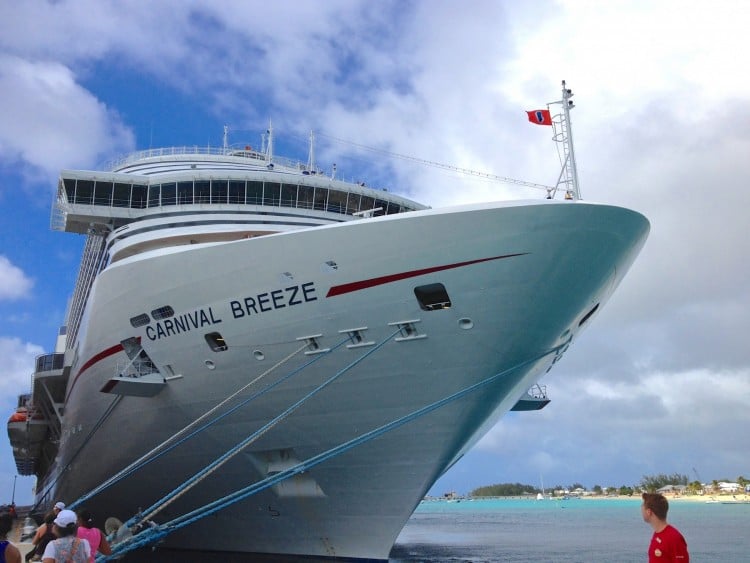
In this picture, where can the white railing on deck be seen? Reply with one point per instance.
(259, 157)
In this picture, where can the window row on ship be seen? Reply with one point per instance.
(232, 192)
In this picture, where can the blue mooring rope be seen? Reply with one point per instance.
(157, 532)
(130, 470)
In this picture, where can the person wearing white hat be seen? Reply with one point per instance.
(67, 548)
(41, 531)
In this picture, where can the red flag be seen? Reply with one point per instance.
(540, 117)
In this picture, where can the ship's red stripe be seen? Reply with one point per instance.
(94, 359)
(372, 282)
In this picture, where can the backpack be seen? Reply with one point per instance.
(69, 550)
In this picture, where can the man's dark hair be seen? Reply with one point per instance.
(656, 503)
(6, 524)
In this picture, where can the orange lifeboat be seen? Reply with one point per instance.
(20, 415)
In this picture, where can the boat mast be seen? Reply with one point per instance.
(563, 133)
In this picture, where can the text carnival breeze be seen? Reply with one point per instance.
(246, 306)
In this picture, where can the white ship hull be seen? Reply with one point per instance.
(522, 278)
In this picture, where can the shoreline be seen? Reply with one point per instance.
(726, 498)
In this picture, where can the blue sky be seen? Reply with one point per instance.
(659, 382)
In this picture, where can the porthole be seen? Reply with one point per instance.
(210, 364)
(258, 355)
(465, 323)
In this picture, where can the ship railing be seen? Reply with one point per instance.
(49, 362)
(195, 150)
(538, 391)
(135, 368)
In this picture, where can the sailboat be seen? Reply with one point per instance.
(542, 495)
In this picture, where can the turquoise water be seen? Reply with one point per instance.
(575, 530)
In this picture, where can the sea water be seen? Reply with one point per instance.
(565, 531)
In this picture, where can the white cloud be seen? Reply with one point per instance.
(14, 283)
(50, 122)
(18, 365)
(661, 127)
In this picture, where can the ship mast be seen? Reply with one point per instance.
(311, 154)
(563, 134)
(269, 145)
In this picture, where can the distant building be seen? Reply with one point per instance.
(726, 487)
(672, 489)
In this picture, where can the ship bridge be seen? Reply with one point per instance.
(176, 180)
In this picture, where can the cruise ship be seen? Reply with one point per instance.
(260, 359)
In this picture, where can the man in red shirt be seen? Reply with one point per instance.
(667, 543)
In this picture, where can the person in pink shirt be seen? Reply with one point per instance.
(93, 535)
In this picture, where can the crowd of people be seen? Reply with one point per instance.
(67, 537)
(64, 537)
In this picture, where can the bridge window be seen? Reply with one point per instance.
(202, 191)
(254, 193)
(271, 193)
(236, 193)
(184, 193)
(169, 194)
(219, 191)
(103, 193)
(367, 203)
(288, 195)
(121, 195)
(70, 189)
(154, 195)
(383, 207)
(352, 203)
(84, 191)
(336, 201)
(321, 198)
(138, 198)
(305, 197)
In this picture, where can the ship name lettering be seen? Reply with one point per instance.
(182, 323)
(271, 300)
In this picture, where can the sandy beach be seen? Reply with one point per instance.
(676, 498)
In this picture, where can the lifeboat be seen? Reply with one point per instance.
(20, 415)
(27, 432)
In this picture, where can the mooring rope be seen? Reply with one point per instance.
(105, 415)
(152, 454)
(155, 532)
(221, 460)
